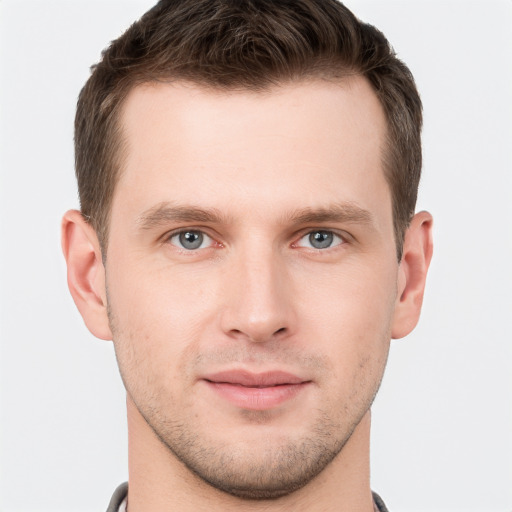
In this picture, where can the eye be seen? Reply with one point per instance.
(320, 239)
(190, 240)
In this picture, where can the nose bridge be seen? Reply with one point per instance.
(259, 305)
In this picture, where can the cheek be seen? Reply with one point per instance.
(348, 310)
(157, 322)
(160, 301)
(163, 316)
(351, 323)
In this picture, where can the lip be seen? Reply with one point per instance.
(256, 391)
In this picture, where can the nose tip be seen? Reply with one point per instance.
(258, 307)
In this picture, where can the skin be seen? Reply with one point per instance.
(255, 174)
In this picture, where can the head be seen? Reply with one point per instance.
(248, 175)
(251, 45)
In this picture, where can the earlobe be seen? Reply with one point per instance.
(417, 253)
(86, 273)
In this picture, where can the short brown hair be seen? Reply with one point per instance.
(244, 44)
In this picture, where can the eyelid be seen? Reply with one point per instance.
(166, 238)
(343, 236)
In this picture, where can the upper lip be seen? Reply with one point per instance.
(250, 379)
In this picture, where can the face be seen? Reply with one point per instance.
(251, 275)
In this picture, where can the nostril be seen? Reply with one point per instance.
(280, 331)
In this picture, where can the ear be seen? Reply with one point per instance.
(86, 273)
(412, 273)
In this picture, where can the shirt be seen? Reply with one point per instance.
(118, 501)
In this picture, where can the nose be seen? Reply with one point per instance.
(258, 302)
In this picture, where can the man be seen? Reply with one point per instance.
(248, 174)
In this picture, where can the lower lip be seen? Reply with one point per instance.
(256, 399)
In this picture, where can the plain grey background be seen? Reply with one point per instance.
(442, 423)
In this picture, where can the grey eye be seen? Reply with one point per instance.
(190, 240)
(321, 239)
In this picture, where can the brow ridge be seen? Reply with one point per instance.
(167, 212)
(339, 212)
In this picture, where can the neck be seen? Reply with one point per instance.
(159, 482)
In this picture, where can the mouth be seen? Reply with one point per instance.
(256, 391)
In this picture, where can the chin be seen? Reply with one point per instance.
(250, 472)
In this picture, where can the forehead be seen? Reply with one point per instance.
(304, 142)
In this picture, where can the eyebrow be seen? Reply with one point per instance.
(165, 213)
(339, 212)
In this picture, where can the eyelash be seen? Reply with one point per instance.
(179, 232)
(342, 239)
(335, 235)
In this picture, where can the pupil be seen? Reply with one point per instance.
(191, 239)
(321, 239)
